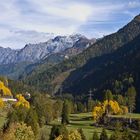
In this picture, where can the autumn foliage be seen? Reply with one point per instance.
(73, 135)
(110, 107)
(1, 103)
(4, 91)
(19, 131)
(21, 101)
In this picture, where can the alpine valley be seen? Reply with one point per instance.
(113, 57)
(70, 70)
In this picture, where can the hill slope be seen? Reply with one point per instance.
(99, 71)
(52, 78)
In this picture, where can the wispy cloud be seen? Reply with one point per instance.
(29, 21)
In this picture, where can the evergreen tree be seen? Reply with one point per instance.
(82, 134)
(130, 80)
(42, 121)
(117, 133)
(58, 130)
(32, 120)
(43, 134)
(108, 95)
(131, 96)
(90, 105)
(44, 108)
(103, 135)
(120, 99)
(54, 132)
(57, 106)
(17, 115)
(118, 86)
(80, 107)
(115, 136)
(127, 135)
(131, 100)
(65, 113)
(137, 136)
(95, 136)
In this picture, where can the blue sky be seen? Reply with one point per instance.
(32, 21)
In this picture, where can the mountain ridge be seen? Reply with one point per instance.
(35, 52)
(101, 72)
(18, 63)
(46, 80)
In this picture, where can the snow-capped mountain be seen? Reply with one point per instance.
(35, 52)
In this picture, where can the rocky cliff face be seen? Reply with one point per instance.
(35, 52)
(7, 55)
(16, 63)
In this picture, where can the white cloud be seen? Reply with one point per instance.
(55, 16)
(133, 4)
(18, 38)
(66, 10)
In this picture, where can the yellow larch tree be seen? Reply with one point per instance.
(1, 103)
(18, 131)
(4, 91)
(73, 135)
(113, 109)
(21, 101)
(97, 112)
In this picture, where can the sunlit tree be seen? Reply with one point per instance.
(19, 131)
(112, 106)
(4, 91)
(1, 103)
(21, 101)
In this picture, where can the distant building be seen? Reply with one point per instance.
(66, 57)
(27, 95)
(9, 99)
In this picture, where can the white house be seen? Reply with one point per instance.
(9, 99)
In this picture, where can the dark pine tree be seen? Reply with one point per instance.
(127, 135)
(103, 135)
(82, 134)
(32, 120)
(65, 113)
(95, 136)
(58, 130)
(115, 136)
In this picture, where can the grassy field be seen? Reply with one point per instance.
(84, 121)
(81, 120)
(129, 115)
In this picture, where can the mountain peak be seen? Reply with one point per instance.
(35, 52)
(137, 18)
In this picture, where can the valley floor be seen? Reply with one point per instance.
(81, 120)
(84, 121)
